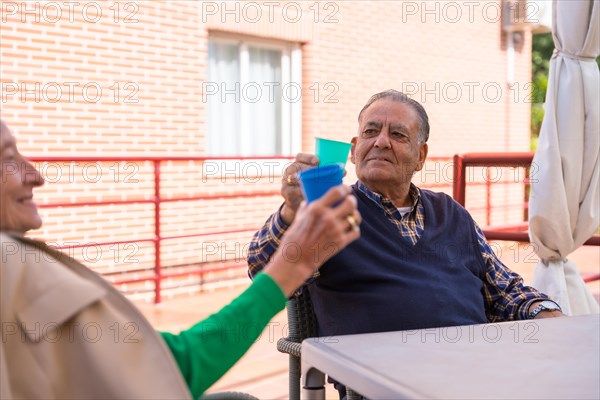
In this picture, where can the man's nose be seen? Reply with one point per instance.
(383, 140)
(31, 176)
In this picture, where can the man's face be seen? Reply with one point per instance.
(387, 151)
(18, 177)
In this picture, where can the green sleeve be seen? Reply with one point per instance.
(208, 349)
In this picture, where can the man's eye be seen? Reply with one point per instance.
(370, 132)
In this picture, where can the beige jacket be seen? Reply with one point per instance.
(68, 334)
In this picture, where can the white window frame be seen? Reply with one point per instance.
(291, 72)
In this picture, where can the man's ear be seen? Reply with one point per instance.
(353, 150)
(422, 156)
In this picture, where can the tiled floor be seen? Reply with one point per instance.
(262, 372)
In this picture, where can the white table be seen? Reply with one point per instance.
(554, 358)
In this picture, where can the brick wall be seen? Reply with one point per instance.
(124, 79)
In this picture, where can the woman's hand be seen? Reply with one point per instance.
(319, 231)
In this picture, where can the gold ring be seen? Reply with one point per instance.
(290, 180)
(352, 221)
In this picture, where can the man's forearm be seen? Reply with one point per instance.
(265, 243)
(506, 297)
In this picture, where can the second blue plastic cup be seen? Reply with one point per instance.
(315, 182)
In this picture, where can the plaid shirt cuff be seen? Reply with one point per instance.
(277, 226)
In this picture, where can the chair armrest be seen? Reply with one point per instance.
(287, 346)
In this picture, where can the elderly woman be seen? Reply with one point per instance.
(67, 333)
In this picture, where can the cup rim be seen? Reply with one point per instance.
(334, 167)
(332, 140)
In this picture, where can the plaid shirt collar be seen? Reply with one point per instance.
(414, 193)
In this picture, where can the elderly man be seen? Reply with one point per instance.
(421, 261)
(47, 301)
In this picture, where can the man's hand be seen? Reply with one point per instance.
(319, 232)
(290, 185)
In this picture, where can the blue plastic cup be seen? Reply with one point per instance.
(315, 182)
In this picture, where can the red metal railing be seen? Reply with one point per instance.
(159, 274)
(517, 232)
(162, 272)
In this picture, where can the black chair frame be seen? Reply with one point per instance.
(302, 324)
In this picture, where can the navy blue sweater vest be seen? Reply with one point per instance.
(381, 282)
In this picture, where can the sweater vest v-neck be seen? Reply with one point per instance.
(382, 282)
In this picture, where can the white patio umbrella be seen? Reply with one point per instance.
(565, 192)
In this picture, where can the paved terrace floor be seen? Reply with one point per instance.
(262, 372)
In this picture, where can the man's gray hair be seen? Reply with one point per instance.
(403, 98)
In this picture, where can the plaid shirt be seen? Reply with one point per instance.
(505, 296)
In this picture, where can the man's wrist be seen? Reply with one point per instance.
(544, 308)
(286, 214)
